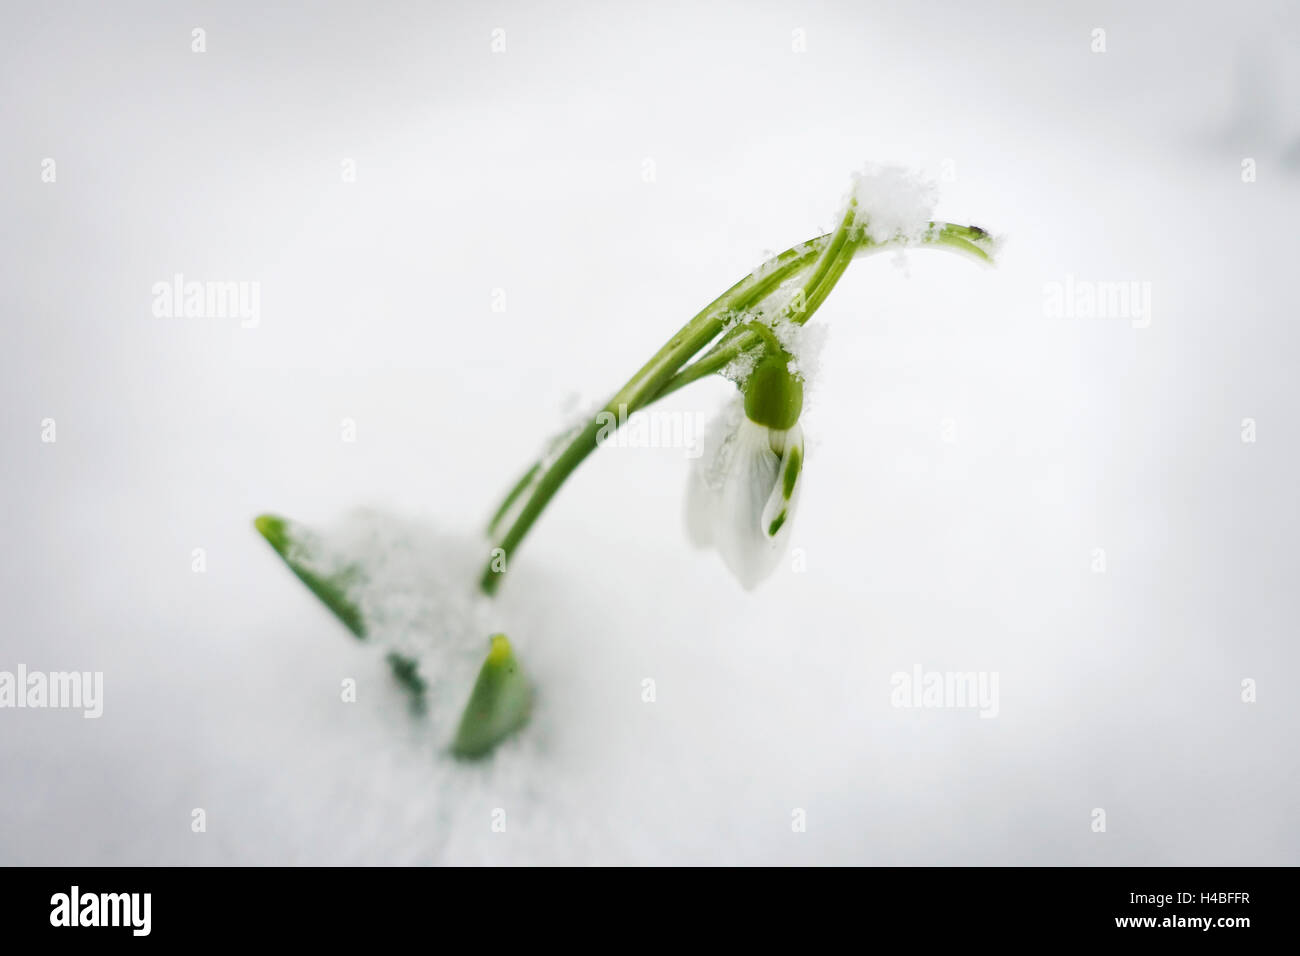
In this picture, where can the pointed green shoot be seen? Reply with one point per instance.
(499, 705)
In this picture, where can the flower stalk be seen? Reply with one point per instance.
(818, 263)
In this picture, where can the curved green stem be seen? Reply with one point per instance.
(741, 339)
(513, 496)
(638, 392)
(764, 332)
(825, 259)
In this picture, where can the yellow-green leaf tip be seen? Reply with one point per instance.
(272, 528)
(501, 651)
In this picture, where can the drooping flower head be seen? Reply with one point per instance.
(743, 492)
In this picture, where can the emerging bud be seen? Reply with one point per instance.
(499, 704)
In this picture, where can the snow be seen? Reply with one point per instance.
(893, 202)
(415, 586)
(741, 367)
(805, 343)
(802, 340)
(415, 589)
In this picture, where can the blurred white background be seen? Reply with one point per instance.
(967, 452)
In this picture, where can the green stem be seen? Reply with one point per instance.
(741, 339)
(825, 258)
(513, 496)
(639, 391)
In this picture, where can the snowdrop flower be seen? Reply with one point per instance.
(745, 485)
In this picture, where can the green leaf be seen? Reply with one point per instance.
(499, 705)
(294, 544)
(291, 545)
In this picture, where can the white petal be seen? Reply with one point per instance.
(740, 535)
(737, 491)
(709, 474)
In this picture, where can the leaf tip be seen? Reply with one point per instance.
(272, 528)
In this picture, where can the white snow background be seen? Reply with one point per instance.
(967, 453)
